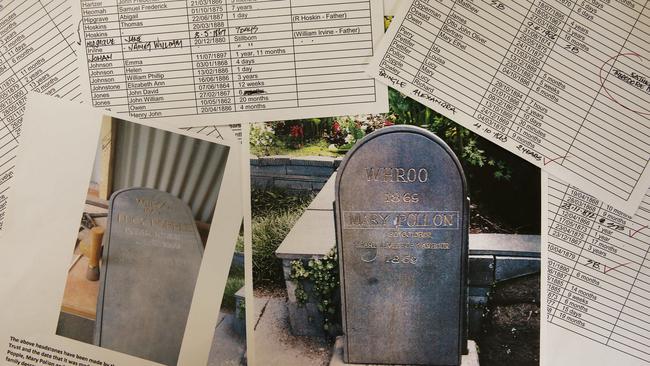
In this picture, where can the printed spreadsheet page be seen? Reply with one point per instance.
(203, 62)
(596, 280)
(563, 84)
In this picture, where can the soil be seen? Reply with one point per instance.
(481, 222)
(510, 334)
(260, 292)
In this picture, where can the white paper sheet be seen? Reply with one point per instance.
(206, 62)
(564, 84)
(38, 54)
(391, 6)
(597, 280)
(52, 177)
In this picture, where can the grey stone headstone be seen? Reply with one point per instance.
(402, 216)
(150, 262)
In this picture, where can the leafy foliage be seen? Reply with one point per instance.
(274, 214)
(472, 150)
(498, 179)
(323, 274)
(263, 138)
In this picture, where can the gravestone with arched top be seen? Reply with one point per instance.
(401, 213)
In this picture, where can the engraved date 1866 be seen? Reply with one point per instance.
(401, 259)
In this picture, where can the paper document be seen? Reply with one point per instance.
(564, 84)
(390, 6)
(167, 247)
(37, 54)
(193, 63)
(38, 42)
(597, 280)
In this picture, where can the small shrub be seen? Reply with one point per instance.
(347, 130)
(263, 140)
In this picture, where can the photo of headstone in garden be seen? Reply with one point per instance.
(141, 239)
(399, 239)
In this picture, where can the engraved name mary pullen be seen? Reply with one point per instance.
(402, 217)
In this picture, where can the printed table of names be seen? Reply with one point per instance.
(564, 84)
(221, 61)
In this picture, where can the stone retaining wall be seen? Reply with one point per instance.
(307, 173)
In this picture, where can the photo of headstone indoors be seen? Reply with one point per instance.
(411, 241)
(141, 238)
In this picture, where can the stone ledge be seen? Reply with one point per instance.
(310, 170)
(312, 236)
(324, 201)
(307, 173)
(511, 267)
(470, 359)
(512, 245)
(301, 178)
(273, 160)
(326, 161)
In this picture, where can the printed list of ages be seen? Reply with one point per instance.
(37, 54)
(598, 272)
(231, 60)
(564, 84)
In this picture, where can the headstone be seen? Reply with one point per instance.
(402, 216)
(150, 262)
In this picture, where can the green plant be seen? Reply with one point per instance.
(471, 149)
(277, 200)
(241, 311)
(323, 274)
(274, 214)
(347, 130)
(263, 139)
(387, 20)
(234, 282)
(239, 246)
(301, 295)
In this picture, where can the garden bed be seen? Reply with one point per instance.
(274, 212)
(511, 330)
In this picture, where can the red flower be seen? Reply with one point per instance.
(388, 123)
(296, 131)
(336, 127)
